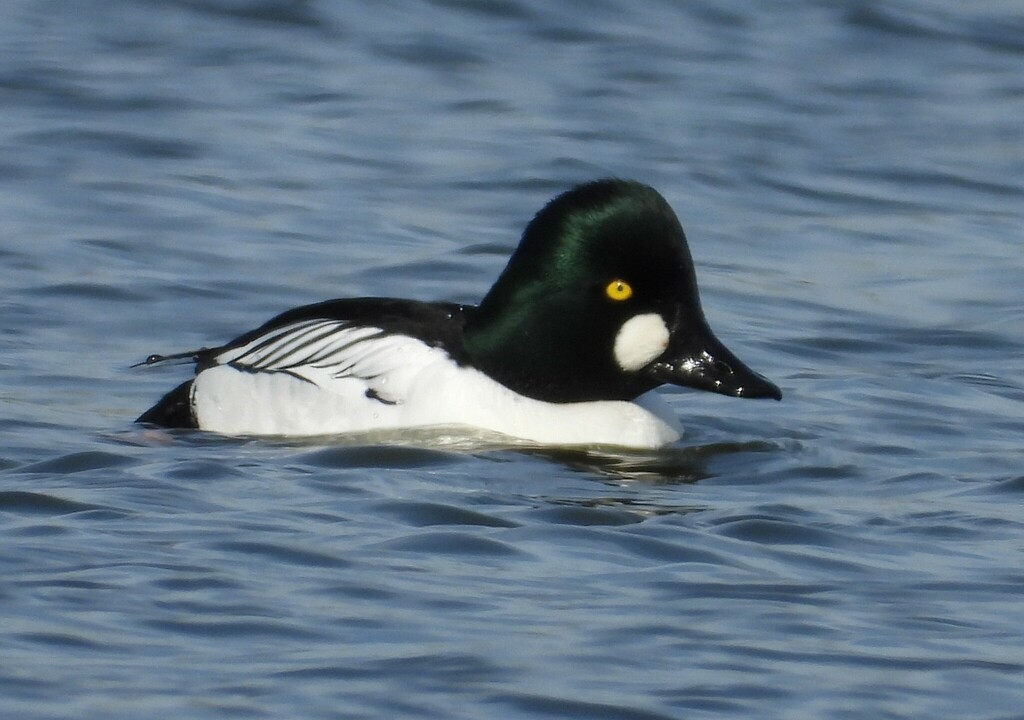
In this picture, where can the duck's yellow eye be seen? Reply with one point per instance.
(618, 290)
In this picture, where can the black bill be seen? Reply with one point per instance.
(701, 361)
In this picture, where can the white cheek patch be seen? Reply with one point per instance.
(640, 340)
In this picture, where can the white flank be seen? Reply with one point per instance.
(641, 339)
(321, 377)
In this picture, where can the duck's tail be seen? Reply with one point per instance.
(174, 410)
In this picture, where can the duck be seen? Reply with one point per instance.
(597, 306)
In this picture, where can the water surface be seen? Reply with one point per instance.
(851, 177)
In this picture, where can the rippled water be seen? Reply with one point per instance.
(851, 176)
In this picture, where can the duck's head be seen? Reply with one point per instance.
(600, 302)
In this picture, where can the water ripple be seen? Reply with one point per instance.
(421, 514)
(282, 554)
(40, 504)
(559, 707)
(78, 462)
(456, 544)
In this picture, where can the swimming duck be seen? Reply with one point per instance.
(597, 306)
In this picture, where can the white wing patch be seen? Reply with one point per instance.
(320, 344)
(336, 356)
(327, 351)
(313, 377)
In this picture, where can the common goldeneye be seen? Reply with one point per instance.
(597, 306)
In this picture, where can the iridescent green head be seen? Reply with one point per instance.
(600, 302)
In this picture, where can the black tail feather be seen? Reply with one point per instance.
(174, 410)
(192, 356)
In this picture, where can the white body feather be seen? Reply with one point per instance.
(321, 377)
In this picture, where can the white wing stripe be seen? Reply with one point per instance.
(260, 351)
(265, 343)
(330, 345)
(309, 339)
(339, 347)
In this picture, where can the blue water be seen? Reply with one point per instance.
(851, 177)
